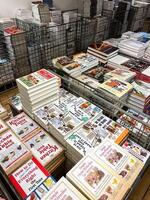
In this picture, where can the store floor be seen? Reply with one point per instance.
(142, 192)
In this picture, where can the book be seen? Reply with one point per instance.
(63, 189)
(96, 181)
(28, 177)
(3, 112)
(3, 126)
(119, 160)
(23, 126)
(88, 81)
(60, 62)
(136, 150)
(44, 148)
(13, 152)
(15, 102)
(116, 87)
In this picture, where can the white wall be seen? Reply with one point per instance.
(9, 7)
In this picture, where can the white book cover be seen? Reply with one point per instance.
(88, 81)
(22, 125)
(119, 60)
(44, 147)
(64, 190)
(3, 126)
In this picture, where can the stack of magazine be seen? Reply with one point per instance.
(103, 51)
(29, 86)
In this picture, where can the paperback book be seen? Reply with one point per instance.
(13, 153)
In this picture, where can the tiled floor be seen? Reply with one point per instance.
(142, 192)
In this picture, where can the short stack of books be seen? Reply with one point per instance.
(3, 112)
(103, 51)
(117, 61)
(116, 88)
(13, 153)
(32, 180)
(52, 119)
(96, 181)
(3, 126)
(38, 89)
(63, 189)
(46, 150)
(119, 161)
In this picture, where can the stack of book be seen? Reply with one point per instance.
(29, 86)
(137, 150)
(119, 161)
(123, 74)
(23, 126)
(31, 180)
(132, 48)
(140, 96)
(55, 15)
(3, 126)
(116, 88)
(139, 132)
(46, 150)
(103, 51)
(13, 153)
(147, 54)
(96, 181)
(117, 61)
(52, 119)
(63, 189)
(3, 112)
(91, 134)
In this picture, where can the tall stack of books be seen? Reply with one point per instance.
(132, 48)
(3, 112)
(63, 189)
(119, 161)
(29, 86)
(55, 15)
(96, 181)
(13, 153)
(117, 61)
(46, 150)
(31, 180)
(103, 51)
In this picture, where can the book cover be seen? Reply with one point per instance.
(3, 126)
(86, 59)
(64, 190)
(28, 177)
(137, 65)
(13, 153)
(63, 61)
(136, 150)
(116, 87)
(94, 180)
(22, 125)
(88, 81)
(71, 68)
(44, 147)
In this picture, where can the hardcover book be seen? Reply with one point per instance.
(3, 126)
(13, 153)
(22, 125)
(28, 177)
(44, 148)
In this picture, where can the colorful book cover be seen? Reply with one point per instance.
(73, 67)
(116, 87)
(22, 125)
(64, 190)
(43, 147)
(3, 126)
(63, 61)
(95, 181)
(13, 153)
(88, 81)
(119, 160)
(136, 150)
(86, 59)
(137, 65)
(28, 177)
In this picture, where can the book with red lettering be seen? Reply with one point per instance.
(45, 149)
(23, 126)
(3, 126)
(13, 153)
(28, 177)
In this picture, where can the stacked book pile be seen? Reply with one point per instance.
(63, 189)
(32, 180)
(119, 161)
(132, 48)
(29, 86)
(91, 134)
(116, 88)
(6, 71)
(117, 61)
(139, 98)
(52, 119)
(13, 153)
(55, 15)
(96, 181)
(139, 131)
(103, 51)
(3, 126)
(3, 112)
(147, 54)
(46, 150)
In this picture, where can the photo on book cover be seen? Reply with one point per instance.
(117, 85)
